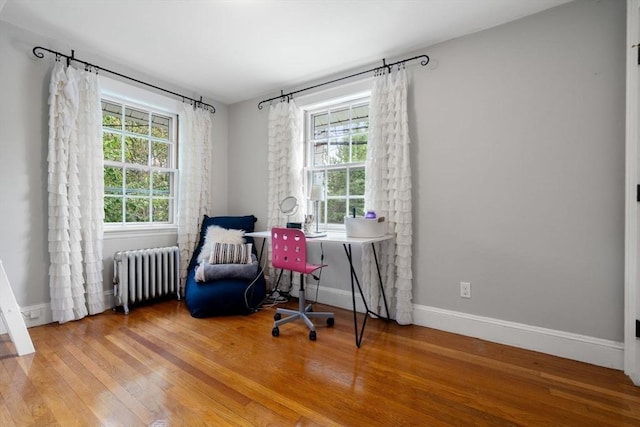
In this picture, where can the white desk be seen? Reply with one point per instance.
(347, 243)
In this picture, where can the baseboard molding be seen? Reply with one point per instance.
(40, 314)
(34, 315)
(330, 296)
(596, 351)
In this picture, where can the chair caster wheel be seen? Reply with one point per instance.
(275, 331)
(312, 335)
(277, 316)
(330, 321)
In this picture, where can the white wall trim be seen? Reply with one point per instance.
(356, 88)
(631, 345)
(582, 348)
(110, 87)
(40, 314)
(151, 231)
(330, 296)
(595, 351)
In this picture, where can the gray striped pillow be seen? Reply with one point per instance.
(230, 253)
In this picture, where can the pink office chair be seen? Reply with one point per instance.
(289, 252)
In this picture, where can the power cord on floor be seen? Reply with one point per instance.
(276, 296)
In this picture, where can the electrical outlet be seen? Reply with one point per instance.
(465, 289)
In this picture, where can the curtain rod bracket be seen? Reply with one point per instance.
(388, 67)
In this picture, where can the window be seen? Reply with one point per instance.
(336, 151)
(140, 166)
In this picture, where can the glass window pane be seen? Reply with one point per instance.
(359, 147)
(137, 210)
(160, 126)
(113, 209)
(112, 146)
(320, 132)
(360, 118)
(320, 153)
(161, 182)
(137, 182)
(136, 150)
(320, 122)
(332, 154)
(112, 180)
(356, 182)
(337, 183)
(136, 121)
(111, 115)
(321, 119)
(160, 155)
(339, 122)
(338, 152)
(317, 178)
(336, 209)
(160, 210)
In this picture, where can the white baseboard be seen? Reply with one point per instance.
(595, 351)
(40, 314)
(34, 315)
(330, 296)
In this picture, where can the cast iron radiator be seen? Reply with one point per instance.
(145, 275)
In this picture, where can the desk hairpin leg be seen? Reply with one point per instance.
(261, 252)
(384, 296)
(356, 281)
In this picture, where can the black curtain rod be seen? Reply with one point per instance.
(195, 102)
(384, 65)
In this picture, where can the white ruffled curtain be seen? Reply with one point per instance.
(195, 179)
(75, 187)
(388, 192)
(286, 164)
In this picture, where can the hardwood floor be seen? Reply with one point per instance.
(159, 366)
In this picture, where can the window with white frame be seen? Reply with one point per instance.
(140, 164)
(336, 150)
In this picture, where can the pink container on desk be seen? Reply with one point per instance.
(365, 227)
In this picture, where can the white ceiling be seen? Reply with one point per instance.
(233, 50)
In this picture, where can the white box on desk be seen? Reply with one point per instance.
(365, 227)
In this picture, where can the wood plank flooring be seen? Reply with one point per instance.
(158, 366)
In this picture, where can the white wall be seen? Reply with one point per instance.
(518, 147)
(23, 164)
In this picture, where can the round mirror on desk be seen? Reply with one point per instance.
(289, 206)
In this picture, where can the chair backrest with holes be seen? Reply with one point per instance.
(289, 249)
